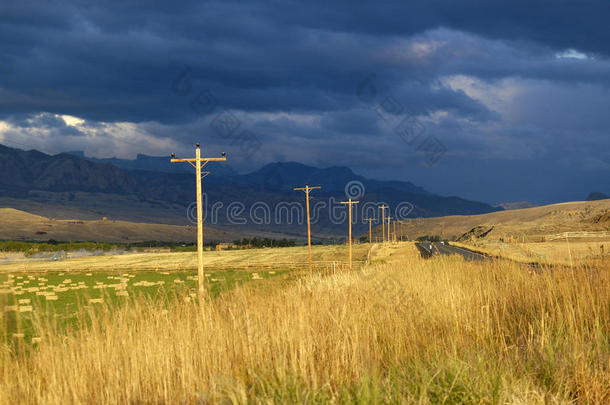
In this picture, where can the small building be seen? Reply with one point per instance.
(223, 246)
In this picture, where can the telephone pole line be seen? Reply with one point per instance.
(307, 189)
(370, 229)
(383, 208)
(349, 203)
(198, 163)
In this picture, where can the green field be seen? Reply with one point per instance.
(63, 290)
(26, 297)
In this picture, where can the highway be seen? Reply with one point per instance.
(430, 249)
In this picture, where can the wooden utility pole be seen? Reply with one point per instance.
(389, 221)
(383, 208)
(395, 232)
(349, 203)
(198, 163)
(307, 189)
(370, 229)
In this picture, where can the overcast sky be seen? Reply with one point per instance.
(488, 100)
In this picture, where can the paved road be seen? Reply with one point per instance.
(429, 249)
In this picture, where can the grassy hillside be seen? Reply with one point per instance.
(91, 206)
(20, 225)
(566, 234)
(528, 223)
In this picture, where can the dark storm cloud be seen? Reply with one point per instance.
(116, 62)
(290, 71)
(560, 24)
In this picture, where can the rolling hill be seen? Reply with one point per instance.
(19, 225)
(529, 223)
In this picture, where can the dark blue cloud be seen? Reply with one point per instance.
(487, 79)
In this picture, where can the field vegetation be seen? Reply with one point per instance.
(401, 329)
(559, 252)
(525, 225)
(30, 248)
(182, 261)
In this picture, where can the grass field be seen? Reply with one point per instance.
(60, 289)
(62, 296)
(400, 330)
(561, 252)
(522, 224)
(188, 260)
(531, 235)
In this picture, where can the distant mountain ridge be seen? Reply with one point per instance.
(24, 172)
(273, 175)
(21, 171)
(150, 163)
(283, 176)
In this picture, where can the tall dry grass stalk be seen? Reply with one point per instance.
(442, 330)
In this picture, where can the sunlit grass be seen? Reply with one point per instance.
(56, 296)
(562, 252)
(185, 261)
(405, 330)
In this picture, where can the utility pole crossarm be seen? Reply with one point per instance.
(203, 159)
(306, 188)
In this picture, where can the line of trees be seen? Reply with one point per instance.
(32, 247)
(264, 242)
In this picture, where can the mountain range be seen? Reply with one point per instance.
(150, 189)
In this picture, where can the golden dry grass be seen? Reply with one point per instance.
(560, 252)
(404, 330)
(188, 260)
(522, 224)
